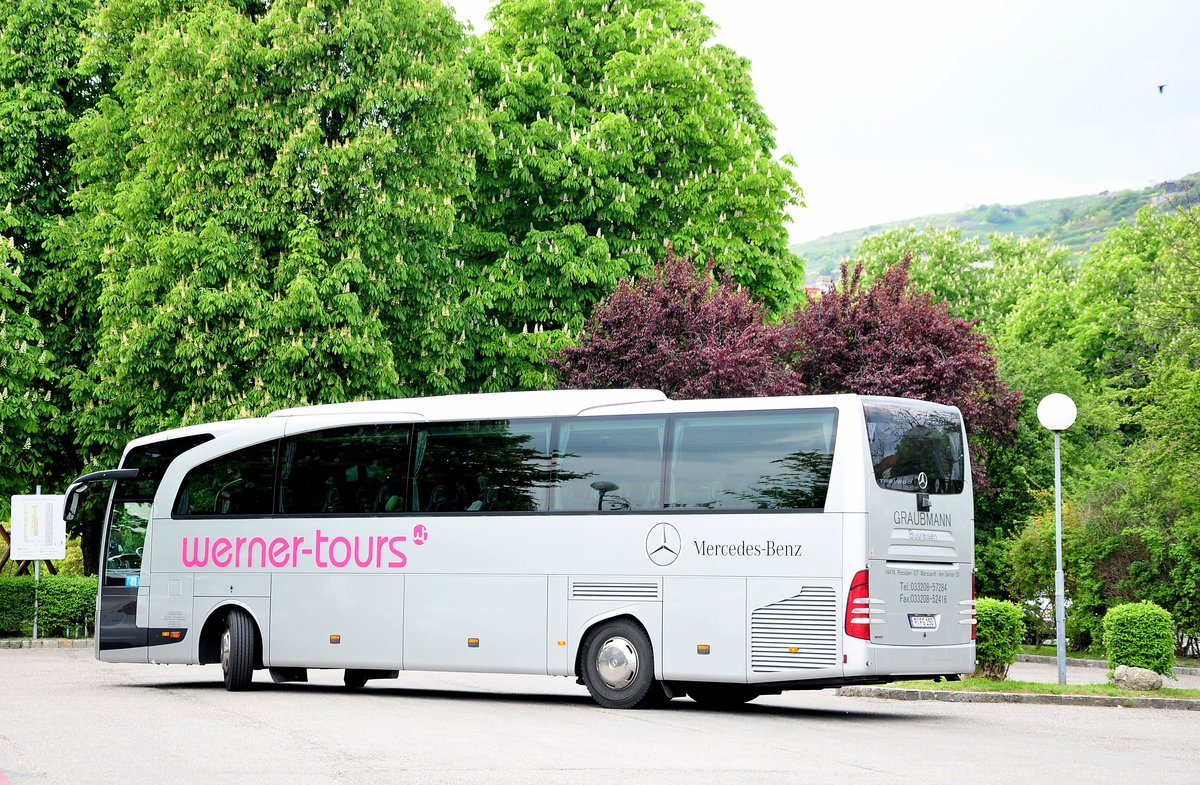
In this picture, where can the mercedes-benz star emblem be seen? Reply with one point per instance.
(662, 544)
(922, 480)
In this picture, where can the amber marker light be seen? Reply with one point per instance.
(335, 638)
(703, 648)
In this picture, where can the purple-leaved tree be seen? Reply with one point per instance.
(680, 331)
(882, 339)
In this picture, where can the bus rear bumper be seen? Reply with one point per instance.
(920, 660)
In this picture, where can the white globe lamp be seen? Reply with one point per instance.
(1056, 412)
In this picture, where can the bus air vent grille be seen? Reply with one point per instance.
(798, 633)
(615, 590)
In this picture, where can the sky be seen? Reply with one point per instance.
(895, 110)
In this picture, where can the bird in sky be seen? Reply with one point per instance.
(1160, 87)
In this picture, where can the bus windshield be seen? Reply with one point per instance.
(131, 507)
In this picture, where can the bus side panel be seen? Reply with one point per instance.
(337, 621)
(795, 630)
(170, 609)
(476, 623)
(704, 629)
(558, 660)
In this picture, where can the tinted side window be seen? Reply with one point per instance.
(492, 466)
(238, 484)
(357, 469)
(151, 460)
(609, 463)
(752, 461)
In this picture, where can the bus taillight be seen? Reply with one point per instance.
(973, 620)
(858, 607)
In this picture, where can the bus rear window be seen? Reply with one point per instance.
(915, 448)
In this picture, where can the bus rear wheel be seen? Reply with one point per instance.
(618, 666)
(237, 650)
(722, 696)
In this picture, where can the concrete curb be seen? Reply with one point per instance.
(893, 693)
(47, 643)
(1078, 663)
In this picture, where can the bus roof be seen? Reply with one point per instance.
(538, 403)
(516, 405)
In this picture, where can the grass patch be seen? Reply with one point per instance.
(972, 684)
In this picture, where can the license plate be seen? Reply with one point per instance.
(922, 621)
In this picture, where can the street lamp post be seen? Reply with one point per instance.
(1056, 412)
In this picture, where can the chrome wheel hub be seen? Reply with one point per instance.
(225, 649)
(617, 663)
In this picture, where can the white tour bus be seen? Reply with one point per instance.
(651, 548)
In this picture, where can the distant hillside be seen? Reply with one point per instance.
(1078, 222)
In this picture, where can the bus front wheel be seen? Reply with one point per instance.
(237, 650)
(618, 665)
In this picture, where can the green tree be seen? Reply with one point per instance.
(25, 381)
(1128, 359)
(1171, 298)
(269, 193)
(619, 126)
(980, 279)
(42, 92)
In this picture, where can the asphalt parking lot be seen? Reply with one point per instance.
(66, 718)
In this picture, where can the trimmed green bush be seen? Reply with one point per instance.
(65, 603)
(999, 628)
(1140, 634)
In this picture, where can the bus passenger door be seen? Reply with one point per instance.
(119, 638)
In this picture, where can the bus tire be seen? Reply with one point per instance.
(618, 665)
(722, 696)
(237, 650)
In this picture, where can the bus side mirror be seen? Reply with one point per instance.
(71, 505)
(82, 485)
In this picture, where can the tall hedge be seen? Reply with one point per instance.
(999, 627)
(65, 604)
(16, 605)
(1140, 634)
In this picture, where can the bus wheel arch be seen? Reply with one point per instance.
(246, 637)
(616, 663)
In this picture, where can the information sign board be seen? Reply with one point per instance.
(38, 530)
